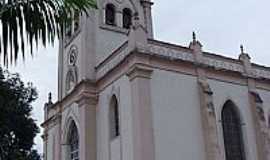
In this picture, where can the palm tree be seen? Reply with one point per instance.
(27, 22)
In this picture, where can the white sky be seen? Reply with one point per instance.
(221, 26)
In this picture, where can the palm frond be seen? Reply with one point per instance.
(34, 22)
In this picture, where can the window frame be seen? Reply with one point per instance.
(73, 144)
(233, 137)
(127, 12)
(114, 120)
(110, 14)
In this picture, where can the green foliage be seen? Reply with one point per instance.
(34, 21)
(17, 128)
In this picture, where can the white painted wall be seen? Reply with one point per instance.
(176, 117)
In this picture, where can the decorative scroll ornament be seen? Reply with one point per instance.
(208, 92)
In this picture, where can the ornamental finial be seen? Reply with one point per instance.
(50, 98)
(194, 36)
(242, 49)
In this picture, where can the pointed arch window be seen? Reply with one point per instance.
(110, 14)
(232, 132)
(127, 18)
(73, 142)
(114, 118)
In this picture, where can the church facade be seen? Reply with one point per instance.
(122, 95)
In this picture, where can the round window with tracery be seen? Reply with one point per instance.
(73, 56)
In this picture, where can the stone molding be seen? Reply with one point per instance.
(84, 92)
(52, 121)
(262, 131)
(210, 131)
(139, 71)
(178, 53)
(85, 88)
(87, 97)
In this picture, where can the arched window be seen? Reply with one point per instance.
(114, 118)
(269, 121)
(73, 142)
(127, 18)
(232, 132)
(110, 14)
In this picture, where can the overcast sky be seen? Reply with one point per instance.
(221, 26)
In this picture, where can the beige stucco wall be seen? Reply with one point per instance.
(176, 116)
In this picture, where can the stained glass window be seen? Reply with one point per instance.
(232, 132)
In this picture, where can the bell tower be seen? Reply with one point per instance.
(91, 39)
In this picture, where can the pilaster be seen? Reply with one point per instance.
(57, 139)
(257, 110)
(87, 111)
(45, 145)
(143, 136)
(209, 120)
(207, 108)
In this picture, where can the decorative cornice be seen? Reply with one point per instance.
(139, 71)
(52, 121)
(208, 60)
(85, 88)
(87, 98)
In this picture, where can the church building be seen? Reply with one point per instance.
(123, 95)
